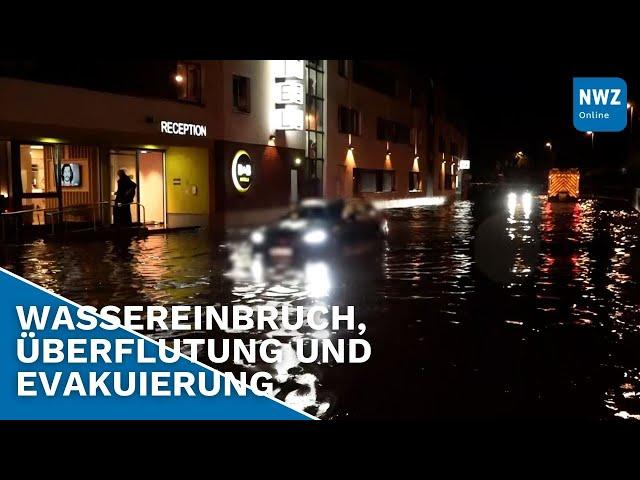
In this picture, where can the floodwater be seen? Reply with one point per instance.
(472, 311)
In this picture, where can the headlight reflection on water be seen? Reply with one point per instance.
(512, 202)
(527, 204)
(318, 279)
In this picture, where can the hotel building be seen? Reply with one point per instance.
(217, 143)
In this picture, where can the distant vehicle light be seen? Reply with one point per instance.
(315, 237)
(385, 227)
(257, 237)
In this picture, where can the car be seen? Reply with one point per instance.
(319, 227)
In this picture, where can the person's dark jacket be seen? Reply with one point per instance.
(126, 190)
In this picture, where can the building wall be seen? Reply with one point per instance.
(445, 159)
(60, 109)
(187, 185)
(369, 152)
(256, 126)
(270, 190)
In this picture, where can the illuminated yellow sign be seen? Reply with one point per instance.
(241, 171)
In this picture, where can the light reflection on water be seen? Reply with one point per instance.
(528, 309)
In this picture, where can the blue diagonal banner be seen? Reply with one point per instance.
(141, 405)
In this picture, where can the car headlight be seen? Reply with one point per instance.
(257, 237)
(315, 237)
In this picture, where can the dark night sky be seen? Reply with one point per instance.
(513, 106)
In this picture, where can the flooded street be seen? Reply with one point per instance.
(471, 310)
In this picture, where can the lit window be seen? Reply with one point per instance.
(189, 82)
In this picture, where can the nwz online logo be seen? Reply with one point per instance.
(600, 96)
(599, 104)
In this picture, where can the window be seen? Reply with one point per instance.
(366, 181)
(415, 182)
(393, 131)
(314, 126)
(373, 181)
(343, 68)
(316, 64)
(241, 94)
(373, 77)
(388, 180)
(349, 120)
(190, 84)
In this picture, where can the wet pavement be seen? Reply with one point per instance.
(472, 310)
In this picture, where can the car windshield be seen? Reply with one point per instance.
(315, 212)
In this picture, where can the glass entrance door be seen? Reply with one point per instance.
(146, 169)
(127, 161)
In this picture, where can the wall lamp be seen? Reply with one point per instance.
(272, 140)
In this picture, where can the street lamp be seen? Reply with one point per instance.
(592, 135)
(550, 147)
(630, 108)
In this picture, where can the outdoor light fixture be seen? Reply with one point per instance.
(352, 148)
(179, 78)
(272, 141)
(548, 144)
(628, 105)
(297, 161)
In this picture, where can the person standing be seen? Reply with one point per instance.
(124, 196)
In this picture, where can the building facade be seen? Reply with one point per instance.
(215, 142)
